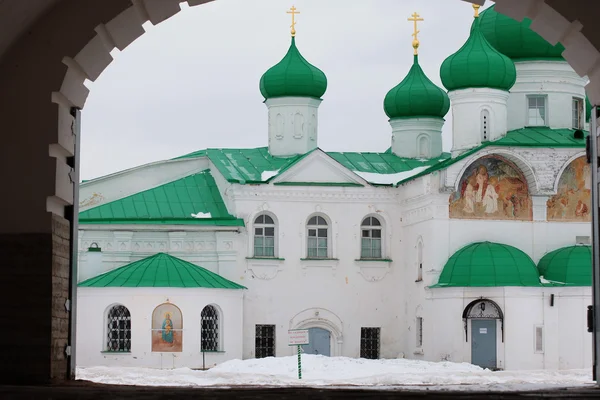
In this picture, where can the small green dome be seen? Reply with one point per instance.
(489, 264)
(416, 96)
(478, 65)
(570, 265)
(293, 76)
(515, 39)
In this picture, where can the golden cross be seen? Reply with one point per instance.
(293, 12)
(415, 18)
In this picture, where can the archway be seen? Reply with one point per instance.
(53, 47)
(483, 316)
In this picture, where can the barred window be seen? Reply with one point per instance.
(318, 234)
(264, 236)
(369, 343)
(419, 332)
(118, 332)
(210, 329)
(370, 238)
(264, 342)
(419, 261)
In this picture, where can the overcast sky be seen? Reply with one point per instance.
(191, 82)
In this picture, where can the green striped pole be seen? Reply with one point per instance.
(299, 364)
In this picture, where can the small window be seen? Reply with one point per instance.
(419, 261)
(318, 236)
(419, 332)
(264, 342)
(536, 111)
(209, 334)
(369, 343)
(539, 339)
(485, 125)
(370, 246)
(118, 333)
(577, 113)
(264, 236)
(423, 147)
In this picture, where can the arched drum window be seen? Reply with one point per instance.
(209, 335)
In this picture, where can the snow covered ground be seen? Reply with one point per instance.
(341, 372)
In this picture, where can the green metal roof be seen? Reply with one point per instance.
(172, 203)
(293, 76)
(478, 65)
(161, 270)
(416, 96)
(516, 39)
(382, 163)
(569, 266)
(485, 264)
(588, 109)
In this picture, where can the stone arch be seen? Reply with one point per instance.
(564, 167)
(571, 201)
(321, 318)
(494, 312)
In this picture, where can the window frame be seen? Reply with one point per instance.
(371, 228)
(419, 260)
(107, 348)
(266, 347)
(264, 226)
(485, 124)
(419, 332)
(366, 343)
(537, 350)
(216, 341)
(423, 151)
(580, 110)
(528, 108)
(318, 227)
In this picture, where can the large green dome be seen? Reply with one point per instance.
(293, 76)
(516, 39)
(489, 264)
(478, 65)
(571, 266)
(416, 96)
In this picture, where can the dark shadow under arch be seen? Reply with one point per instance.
(494, 314)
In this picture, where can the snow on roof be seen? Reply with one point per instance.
(266, 175)
(389, 179)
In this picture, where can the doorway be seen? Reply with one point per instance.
(483, 343)
(319, 342)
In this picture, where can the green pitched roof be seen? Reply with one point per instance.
(293, 76)
(516, 39)
(161, 270)
(489, 264)
(416, 96)
(172, 203)
(478, 65)
(571, 266)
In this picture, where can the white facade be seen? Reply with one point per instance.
(417, 137)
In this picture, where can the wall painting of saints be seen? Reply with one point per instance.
(492, 188)
(573, 199)
(167, 328)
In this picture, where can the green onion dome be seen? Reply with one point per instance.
(478, 65)
(416, 96)
(571, 266)
(293, 76)
(515, 39)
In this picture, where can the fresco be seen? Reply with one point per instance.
(573, 198)
(167, 328)
(492, 188)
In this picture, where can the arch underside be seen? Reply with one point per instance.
(477, 310)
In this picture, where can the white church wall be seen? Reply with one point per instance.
(94, 303)
(554, 79)
(417, 137)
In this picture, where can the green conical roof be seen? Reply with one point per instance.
(478, 65)
(161, 270)
(515, 39)
(571, 266)
(293, 76)
(416, 96)
(489, 264)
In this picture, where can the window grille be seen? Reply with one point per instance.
(370, 238)
(539, 339)
(264, 236)
(210, 329)
(118, 333)
(536, 111)
(369, 343)
(264, 342)
(577, 112)
(317, 238)
(420, 261)
(419, 332)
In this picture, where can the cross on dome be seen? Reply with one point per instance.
(415, 18)
(293, 11)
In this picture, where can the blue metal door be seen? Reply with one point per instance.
(319, 342)
(483, 343)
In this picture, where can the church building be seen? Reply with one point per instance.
(477, 255)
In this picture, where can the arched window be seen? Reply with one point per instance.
(264, 236)
(370, 246)
(209, 334)
(318, 234)
(485, 125)
(419, 261)
(118, 332)
(423, 146)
